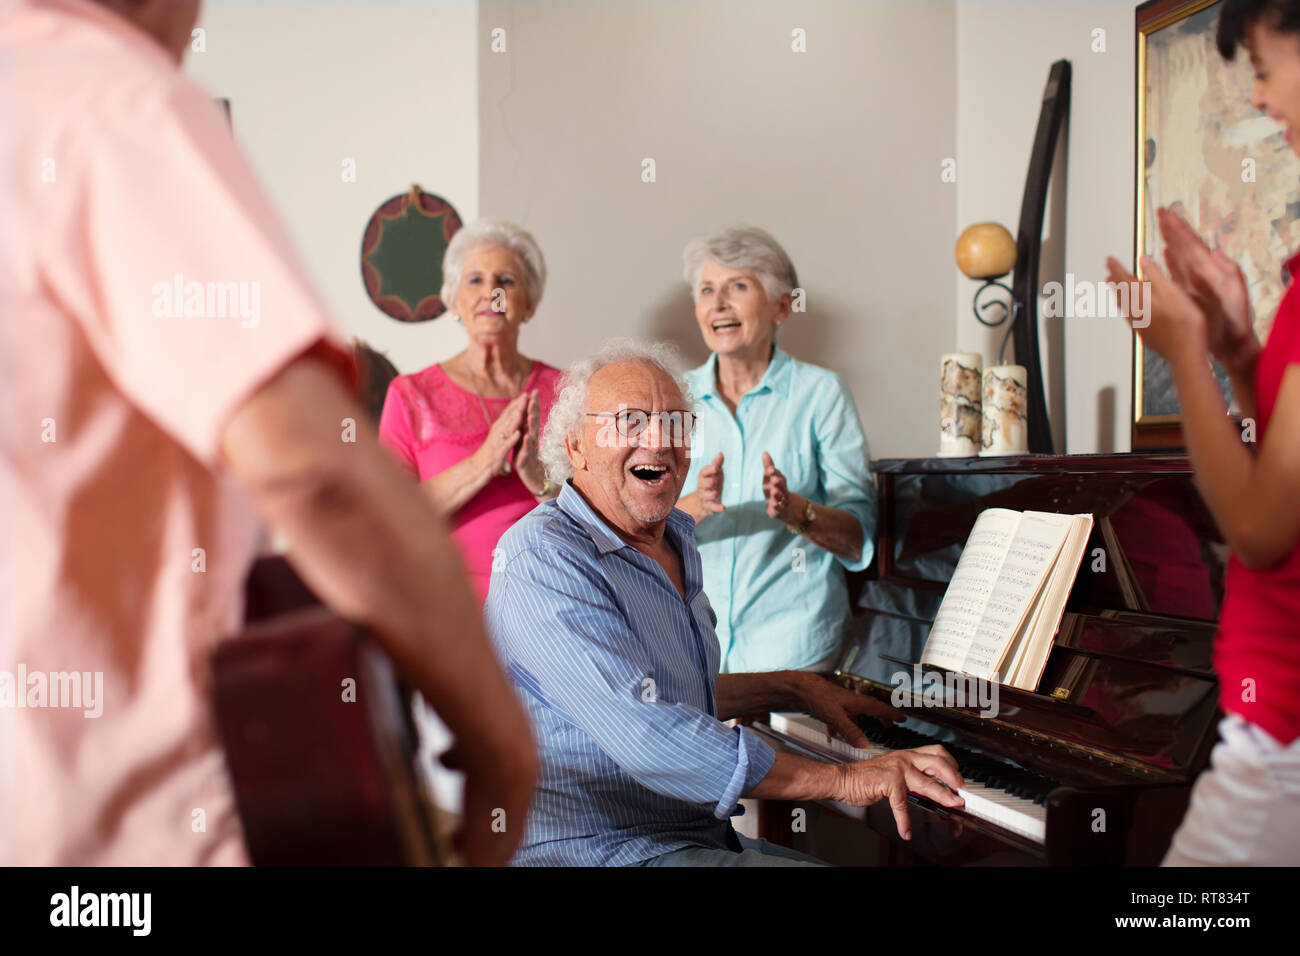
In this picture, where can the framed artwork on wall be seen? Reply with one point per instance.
(1226, 168)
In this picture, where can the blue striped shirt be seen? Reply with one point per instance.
(618, 675)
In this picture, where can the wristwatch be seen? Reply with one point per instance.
(808, 515)
(549, 490)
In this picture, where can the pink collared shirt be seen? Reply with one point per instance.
(153, 292)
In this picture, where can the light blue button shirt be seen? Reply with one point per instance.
(618, 675)
(781, 601)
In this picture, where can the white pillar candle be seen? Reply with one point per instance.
(1006, 411)
(959, 404)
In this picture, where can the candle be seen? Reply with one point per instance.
(1005, 411)
(959, 404)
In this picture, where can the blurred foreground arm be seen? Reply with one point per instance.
(368, 542)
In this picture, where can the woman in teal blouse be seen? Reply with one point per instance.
(783, 499)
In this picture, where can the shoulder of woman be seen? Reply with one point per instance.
(409, 383)
(817, 375)
(420, 390)
(698, 378)
(546, 377)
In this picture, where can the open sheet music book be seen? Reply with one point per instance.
(1005, 600)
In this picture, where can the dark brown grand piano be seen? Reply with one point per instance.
(1096, 766)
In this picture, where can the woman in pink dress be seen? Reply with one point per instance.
(467, 428)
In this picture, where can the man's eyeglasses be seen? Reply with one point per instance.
(631, 423)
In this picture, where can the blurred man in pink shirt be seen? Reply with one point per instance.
(169, 372)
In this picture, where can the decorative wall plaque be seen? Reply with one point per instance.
(401, 254)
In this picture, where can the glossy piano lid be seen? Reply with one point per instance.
(1133, 655)
(1154, 546)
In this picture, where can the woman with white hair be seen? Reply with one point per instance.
(782, 492)
(468, 428)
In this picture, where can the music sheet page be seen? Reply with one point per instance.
(1055, 593)
(958, 620)
(1020, 649)
(1030, 555)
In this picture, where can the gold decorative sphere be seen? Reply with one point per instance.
(985, 251)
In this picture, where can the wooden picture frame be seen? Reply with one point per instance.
(1201, 148)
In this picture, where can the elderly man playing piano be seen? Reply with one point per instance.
(597, 607)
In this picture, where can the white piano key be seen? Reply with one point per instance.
(1014, 813)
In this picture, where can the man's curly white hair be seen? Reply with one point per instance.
(565, 419)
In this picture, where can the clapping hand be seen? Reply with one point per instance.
(1216, 284)
(528, 461)
(1173, 324)
(709, 487)
(504, 435)
(774, 489)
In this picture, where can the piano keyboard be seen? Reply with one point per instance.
(996, 792)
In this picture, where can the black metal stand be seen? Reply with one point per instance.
(993, 283)
(1024, 295)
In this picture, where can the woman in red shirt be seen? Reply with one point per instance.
(1246, 808)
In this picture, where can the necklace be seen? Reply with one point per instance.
(506, 468)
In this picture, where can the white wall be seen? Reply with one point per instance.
(837, 151)
(392, 85)
(1004, 50)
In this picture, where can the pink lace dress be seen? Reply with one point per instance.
(430, 423)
